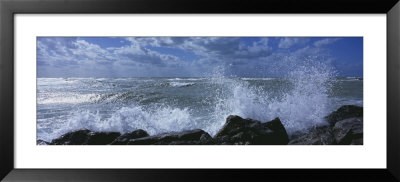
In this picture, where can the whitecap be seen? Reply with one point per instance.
(126, 119)
(66, 98)
(180, 84)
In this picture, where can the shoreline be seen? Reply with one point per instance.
(345, 127)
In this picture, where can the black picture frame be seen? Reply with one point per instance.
(10, 7)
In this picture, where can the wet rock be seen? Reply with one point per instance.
(42, 142)
(102, 138)
(86, 137)
(345, 127)
(192, 137)
(72, 138)
(344, 112)
(321, 135)
(124, 139)
(239, 131)
(349, 131)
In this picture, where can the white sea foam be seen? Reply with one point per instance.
(301, 104)
(302, 107)
(125, 119)
(55, 81)
(180, 84)
(257, 78)
(185, 79)
(67, 98)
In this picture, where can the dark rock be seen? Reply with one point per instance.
(192, 137)
(78, 137)
(42, 142)
(349, 131)
(86, 137)
(358, 141)
(102, 138)
(344, 112)
(239, 131)
(321, 135)
(345, 127)
(124, 139)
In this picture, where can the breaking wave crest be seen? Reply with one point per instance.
(181, 84)
(127, 119)
(303, 104)
(300, 99)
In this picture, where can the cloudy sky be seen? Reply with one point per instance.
(193, 56)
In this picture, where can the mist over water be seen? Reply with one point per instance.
(309, 91)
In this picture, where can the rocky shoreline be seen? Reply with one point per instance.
(345, 128)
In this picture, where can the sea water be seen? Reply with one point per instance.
(301, 98)
(159, 105)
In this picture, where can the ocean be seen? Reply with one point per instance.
(159, 105)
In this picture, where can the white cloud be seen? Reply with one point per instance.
(288, 42)
(324, 42)
(87, 59)
(142, 57)
(215, 47)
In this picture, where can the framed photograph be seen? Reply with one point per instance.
(153, 90)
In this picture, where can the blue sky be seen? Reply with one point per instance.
(194, 56)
